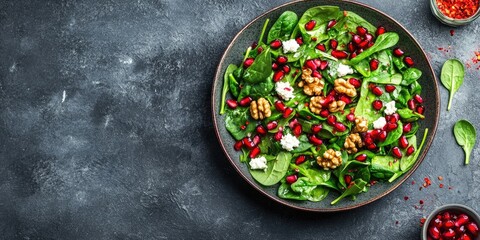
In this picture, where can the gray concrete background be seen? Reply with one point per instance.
(106, 130)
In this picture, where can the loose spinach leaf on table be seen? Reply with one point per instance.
(466, 136)
(383, 41)
(283, 27)
(275, 171)
(452, 77)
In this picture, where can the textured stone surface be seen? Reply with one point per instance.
(106, 130)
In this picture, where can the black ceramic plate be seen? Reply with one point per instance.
(233, 54)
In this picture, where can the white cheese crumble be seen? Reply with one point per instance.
(258, 163)
(343, 70)
(379, 123)
(290, 46)
(284, 90)
(390, 108)
(289, 142)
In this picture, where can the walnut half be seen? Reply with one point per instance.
(331, 159)
(361, 124)
(311, 85)
(336, 106)
(260, 109)
(315, 105)
(342, 86)
(352, 142)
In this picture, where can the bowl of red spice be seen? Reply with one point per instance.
(452, 221)
(455, 12)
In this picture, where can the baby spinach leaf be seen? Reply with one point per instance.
(385, 78)
(407, 115)
(226, 84)
(283, 27)
(276, 170)
(309, 190)
(364, 105)
(398, 62)
(384, 167)
(353, 20)
(466, 136)
(233, 85)
(304, 144)
(356, 188)
(286, 192)
(260, 69)
(237, 118)
(321, 14)
(382, 42)
(363, 67)
(411, 75)
(452, 77)
(393, 136)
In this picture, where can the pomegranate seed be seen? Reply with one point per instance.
(420, 109)
(351, 117)
(331, 23)
(256, 140)
(473, 228)
(449, 233)
(390, 88)
(359, 50)
(340, 127)
(316, 74)
(434, 232)
(368, 37)
(274, 66)
(324, 113)
(372, 146)
(311, 64)
(333, 44)
(361, 157)
(377, 91)
(278, 75)
(238, 145)
(232, 103)
(261, 130)
(316, 128)
(282, 60)
(300, 159)
(259, 50)
(248, 62)
(391, 126)
(418, 98)
(323, 65)
(351, 47)
(438, 223)
(331, 120)
(280, 106)
(382, 136)
(278, 136)
(291, 179)
(374, 133)
(310, 25)
(315, 140)
(355, 82)
(465, 237)
(410, 150)
(272, 125)
(407, 128)
(275, 44)
(380, 30)
(297, 130)
(352, 55)
(398, 52)
(461, 220)
(370, 44)
(395, 117)
(247, 142)
(345, 99)
(446, 216)
(411, 104)
(356, 39)
(287, 112)
(403, 142)
(374, 64)
(317, 62)
(408, 61)
(245, 101)
(339, 54)
(348, 179)
(361, 31)
(299, 40)
(292, 123)
(363, 44)
(286, 68)
(321, 47)
(396, 152)
(377, 105)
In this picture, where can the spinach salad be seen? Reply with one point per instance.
(323, 103)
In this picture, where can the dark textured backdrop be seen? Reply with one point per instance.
(106, 133)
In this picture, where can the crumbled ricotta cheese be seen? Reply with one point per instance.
(284, 90)
(289, 142)
(290, 46)
(258, 163)
(379, 123)
(343, 70)
(390, 108)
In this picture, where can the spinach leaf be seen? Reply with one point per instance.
(466, 136)
(276, 170)
(363, 67)
(406, 162)
(398, 62)
(385, 78)
(286, 192)
(411, 75)
(382, 42)
(304, 145)
(260, 69)
(233, 85)
(262, 89)
(364, 105)
(384, 167)
(407, 115)
(393, 136)
(309, 190)
(226, 84)
(353, 21)
(237, 118)
(322, 15)
(283, 27)
(356, 188)
(452, 77)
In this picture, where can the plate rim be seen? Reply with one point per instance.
(324, 210)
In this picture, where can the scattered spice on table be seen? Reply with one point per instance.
(452, 32)
(458, 9)
(441, 185)
(422, 221)
(421, 201)
(440, 178)
(406, 198)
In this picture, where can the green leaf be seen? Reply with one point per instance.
(384, 167)
(237, 118)
(393, 136)
(411, 75)
(356, 188)
(382, 42)
(309, 190)
(322, 15)
(226, 84)
(364, 105)
(385, 78)
(261, 68)
(452, 77)
(466, 136)
(408, 115)
(276, 170)
(283, 27)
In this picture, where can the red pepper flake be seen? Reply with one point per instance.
(440, 178)
(413, 182)
(421, 201)
(450, 188)
(440, 48)
(458, 9)
(452, 32)
(345, 13)
(427, 182)
(441, 185)
(405, 198)
(422, 221)
(396, 222)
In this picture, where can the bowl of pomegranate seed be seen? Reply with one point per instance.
(452, 221)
